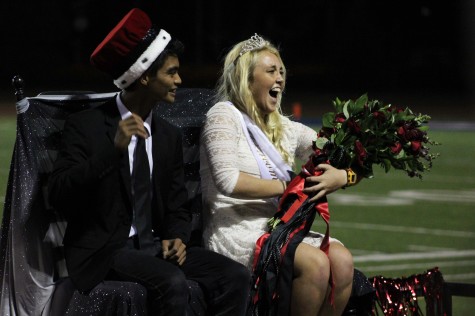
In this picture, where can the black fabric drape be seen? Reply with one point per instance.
(31, 263)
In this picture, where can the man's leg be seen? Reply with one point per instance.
(167, 289)
(224, 281)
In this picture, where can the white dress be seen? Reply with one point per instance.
(232, 226)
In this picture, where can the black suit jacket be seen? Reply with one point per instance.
(91, 186)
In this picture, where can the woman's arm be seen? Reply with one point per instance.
(220, 139)
(250, 187)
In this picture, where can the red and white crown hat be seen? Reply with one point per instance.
(130, 48)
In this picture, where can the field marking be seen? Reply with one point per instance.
(415, 256)
(404, 229)
(459, 276)
(436, 195)
(367, 200)
(405, 197)
(423, 265)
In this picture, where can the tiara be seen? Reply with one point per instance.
(255, 42)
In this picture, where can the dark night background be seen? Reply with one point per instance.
(402, 51)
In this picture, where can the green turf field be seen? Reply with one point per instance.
(7, 140)
(394, 225)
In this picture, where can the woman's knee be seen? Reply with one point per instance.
(341, 263)
(312, 263)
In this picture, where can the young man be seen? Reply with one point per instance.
(119, 180)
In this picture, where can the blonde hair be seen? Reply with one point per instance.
(234, 86)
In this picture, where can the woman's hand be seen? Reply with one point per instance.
(329, 181)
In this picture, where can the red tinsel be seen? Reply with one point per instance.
(398, 296)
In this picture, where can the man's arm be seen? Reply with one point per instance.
(79, 166)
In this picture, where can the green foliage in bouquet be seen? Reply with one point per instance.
(362, 132)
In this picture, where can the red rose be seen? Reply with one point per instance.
(415, 134)
(379, 116)
(401, 131)
(340, 118)
(360, 151)
(396, 148)
(354, 126)
(396, 109)
(415, 146)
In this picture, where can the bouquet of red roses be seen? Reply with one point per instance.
(362, 133)
(359, 134)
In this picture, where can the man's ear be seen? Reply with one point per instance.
(144, 80)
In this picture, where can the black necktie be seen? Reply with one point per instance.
(142, 197)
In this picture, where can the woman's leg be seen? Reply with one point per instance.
(311, 277)
(341, 263)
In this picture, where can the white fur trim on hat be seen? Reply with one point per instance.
(144, 61)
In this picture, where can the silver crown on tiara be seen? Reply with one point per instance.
(255, 42)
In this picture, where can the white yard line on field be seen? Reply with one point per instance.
(404, 229)
(423, 265)
(405, 197)
(459, 276)
(415, 256)
(436, 195)
(368, 200)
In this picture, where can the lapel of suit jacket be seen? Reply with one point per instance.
(112, 118)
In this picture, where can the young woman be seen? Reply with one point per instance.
(247, 147)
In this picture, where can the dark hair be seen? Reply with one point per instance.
(174, 48)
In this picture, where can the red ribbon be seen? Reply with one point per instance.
(296, 187)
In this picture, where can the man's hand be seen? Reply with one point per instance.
(133, 125)
(174, 250)
(329, 181)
